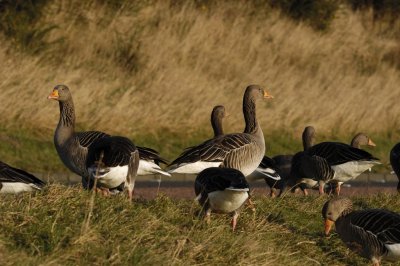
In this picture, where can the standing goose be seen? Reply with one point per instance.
(221, 190)
(73, 147)
(242, 151)
(114, 161)
(395, 162)
(330, 162)
(14, 181)
(373, 234)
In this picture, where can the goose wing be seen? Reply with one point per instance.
(11, 174)
(312, 167)
(385, 225)
(151, 155)
(218, 179)
(214, 150)
(116, 151)
(87, 138)
(338, 153)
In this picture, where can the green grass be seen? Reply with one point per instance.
(46, 228)
(34, 150)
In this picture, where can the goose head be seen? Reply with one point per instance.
(333, 209)
(219, 112)
(60, 93)
(308, 137)
(256, 92)
(362, 139)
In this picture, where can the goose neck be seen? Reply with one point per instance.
(216, 123)
(249, 112)
(66, 124)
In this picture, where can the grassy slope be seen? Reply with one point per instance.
(153, 71)
(46, 229)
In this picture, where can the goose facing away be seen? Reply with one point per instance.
(114, 161)
(222, 190)
(395, 162)
(373, 234)
(72, 147)
(217, 115)
(14, 181)
(242, 151)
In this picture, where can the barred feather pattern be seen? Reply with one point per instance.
(371, 229)
(338, 153)
(367, 232)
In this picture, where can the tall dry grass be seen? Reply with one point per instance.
(156, 67)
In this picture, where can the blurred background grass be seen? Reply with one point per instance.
(153, 70)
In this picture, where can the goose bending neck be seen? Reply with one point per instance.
(66, 125)
(249, 112)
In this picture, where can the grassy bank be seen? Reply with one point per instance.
(46, 229)
(150, 66)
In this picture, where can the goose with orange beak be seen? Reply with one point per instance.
(373, 234)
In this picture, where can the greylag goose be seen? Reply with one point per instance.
(72, 147)
(217, 115)
(221, 190)
(283, 164)
(114, 161)
(395, 162)
(330, 162)
(242, 151)
(14, 181)
(374, 234)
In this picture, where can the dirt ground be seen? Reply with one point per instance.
(185, 190)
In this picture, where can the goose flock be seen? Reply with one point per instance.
(223, 165)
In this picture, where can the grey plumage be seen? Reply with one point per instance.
(242, 151)
(113, 152)
(374, 233)
(217, 115)
(221, 190)
(72, 147)
(330, 162)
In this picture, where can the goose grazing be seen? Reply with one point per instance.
(14, 181)
(72, 147)
(222, 190)
(114, 161)
(395, 162)
(330, 162)
(242, 151)
(374, 234)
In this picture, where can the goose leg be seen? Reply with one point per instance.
(305, 191)
(273, 193)
(321, 187)
(207, 216)
(234, 220)
(337, 189)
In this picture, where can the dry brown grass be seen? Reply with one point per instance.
(154, 67)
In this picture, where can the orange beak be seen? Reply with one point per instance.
(53, 95)
(328, 226)
(371, 143)
(267, 95)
